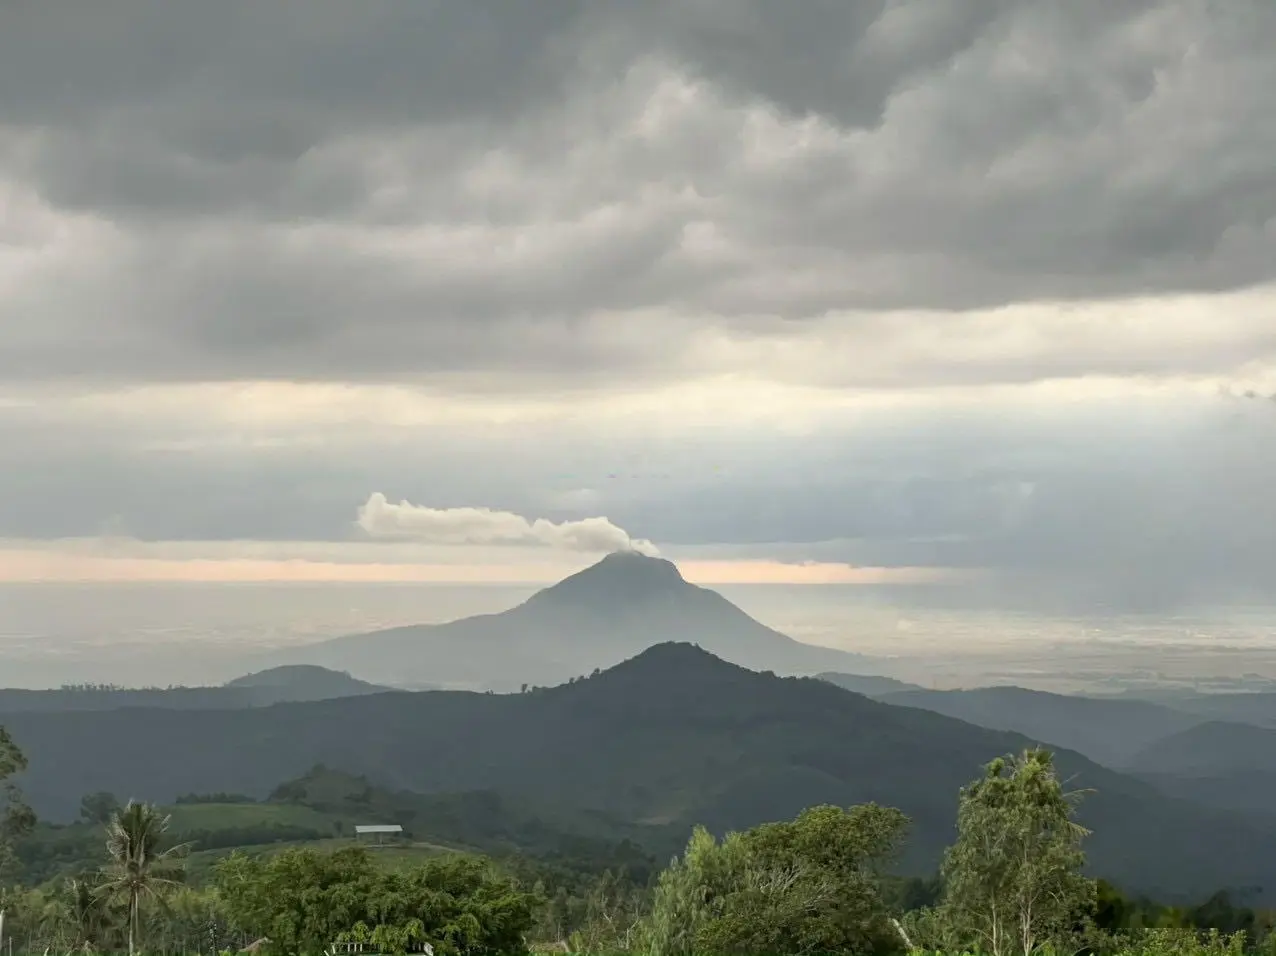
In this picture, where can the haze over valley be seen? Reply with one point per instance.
(175, 633)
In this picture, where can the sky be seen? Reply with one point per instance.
(980, 292)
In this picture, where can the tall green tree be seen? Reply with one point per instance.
(688, 888)
(16, 817)
(807, 885)
(140, 868)
(1013, 880)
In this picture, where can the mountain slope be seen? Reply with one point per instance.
(1239, 791)
(1108, 731)
(1216, 748)
(1231, 766)
(593, 619)
(1244, 708)
(671, 737)
(869, 685)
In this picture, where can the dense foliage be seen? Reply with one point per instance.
(16, 817)
(809, 885)
(302, 901)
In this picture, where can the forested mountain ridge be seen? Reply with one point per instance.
(671, 737)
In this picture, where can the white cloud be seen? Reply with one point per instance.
(381, 518)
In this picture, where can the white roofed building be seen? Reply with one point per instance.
(378, 830)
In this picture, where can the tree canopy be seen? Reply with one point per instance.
(1013, 877)
(807, 885)
(302, 901)
(16, 817)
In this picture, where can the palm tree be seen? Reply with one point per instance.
(85, 919)
(138, 867)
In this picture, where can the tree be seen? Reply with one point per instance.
(1013, 879)
(686, 889)
(99, 807)
(16, 817)
(612, 917)
(139, 869)
(87, 922)
(808, 885)
(302, 901)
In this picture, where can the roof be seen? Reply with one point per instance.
(379, 828)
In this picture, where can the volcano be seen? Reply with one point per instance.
(596, 618)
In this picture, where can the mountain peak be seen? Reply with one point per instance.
(660, 668)
(679, 654)
(622, 577)
(635, 564)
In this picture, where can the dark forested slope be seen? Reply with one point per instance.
(673, 736)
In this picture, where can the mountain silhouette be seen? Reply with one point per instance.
(260, 689)
(303, 682)
(593, 619)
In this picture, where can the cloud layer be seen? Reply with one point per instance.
(479, 194)
(980, 284)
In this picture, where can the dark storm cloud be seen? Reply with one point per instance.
(327, 190)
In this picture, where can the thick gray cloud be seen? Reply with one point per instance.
(504, 200)
(423, 190)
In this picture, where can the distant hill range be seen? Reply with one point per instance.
(595, 618)
(273, 686)
(1110, 731)
(671, 737)
(1193, 737)
(1229, 765)
(868, 684)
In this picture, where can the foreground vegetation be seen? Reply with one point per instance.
(1012, 882)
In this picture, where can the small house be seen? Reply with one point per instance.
(378, 830)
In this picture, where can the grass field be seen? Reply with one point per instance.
(199, 865)
(236, 818)
(215, 830)
(224, 816)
